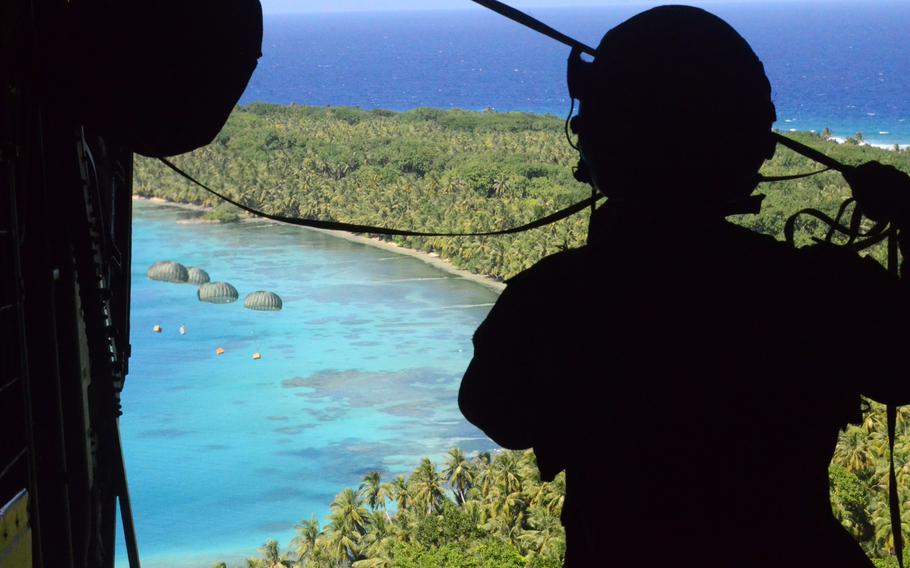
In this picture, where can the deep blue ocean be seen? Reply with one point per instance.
(841, 64)
(361, 368)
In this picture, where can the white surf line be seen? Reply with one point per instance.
(412, 279)
(396, 257)
(465, 306)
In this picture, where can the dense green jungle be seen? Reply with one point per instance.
(453, 170)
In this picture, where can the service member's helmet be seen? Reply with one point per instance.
(675, 107)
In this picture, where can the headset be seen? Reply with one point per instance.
(581, 78)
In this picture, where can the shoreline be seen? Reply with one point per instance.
(429, 258)
(875, 144)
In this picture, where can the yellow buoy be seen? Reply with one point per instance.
(219, 351)
(257, 355)
(157, 329)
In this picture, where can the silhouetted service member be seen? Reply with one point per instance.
(689, 375)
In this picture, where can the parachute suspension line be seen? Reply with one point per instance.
(857, 239)
(875, 235)
(535, 24)
(591, 214)
(810, 153)
(891, 410)
(566, 127)
(354, 228)
(766, 179)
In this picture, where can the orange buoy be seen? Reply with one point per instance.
(157, 329)
(219, 351)
(257, 355)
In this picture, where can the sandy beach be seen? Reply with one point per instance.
(429, 258)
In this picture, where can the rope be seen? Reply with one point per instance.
(810, 153)
(535, 24)
(878, 233)
(355, 228)
(764, 179)
(541, 222)
(893, 498)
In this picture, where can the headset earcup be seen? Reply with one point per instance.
(575, 124)
(581, 172)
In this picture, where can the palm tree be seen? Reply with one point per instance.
(853, 453)
(305, 540)
(507, 472)
(341, 545)
(527, 467)
(483, 476)
(550, 496)
(556, 494)
(881, 520)
(459, 474)
(347, 511)
(401, 493)
(271, 555)
(374, 491)
(320, 556)
(873, 421)
(379, 539)
(502, 529)
(347, 523)
(426, 487)
(507, 506)
(545, 535)
(475, 511)
(375, 562)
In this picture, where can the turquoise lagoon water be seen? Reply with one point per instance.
(359, 372)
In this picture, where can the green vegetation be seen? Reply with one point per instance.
(492, 510)
(224, 213)
(488, 511)
(859, 481)
(437, 170)
(430, 169)
(424, 169)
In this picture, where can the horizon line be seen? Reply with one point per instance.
(470, 6)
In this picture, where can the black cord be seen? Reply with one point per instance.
(766, 179)
(568, 119)
(354, 228)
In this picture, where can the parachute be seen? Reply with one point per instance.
(197, 275)
(217, 293)
(168, 271)
(263, 301)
